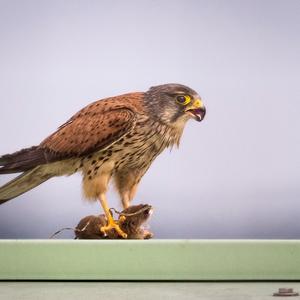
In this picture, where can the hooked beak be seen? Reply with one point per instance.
(197, 110)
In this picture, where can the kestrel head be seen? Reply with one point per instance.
(173, 103)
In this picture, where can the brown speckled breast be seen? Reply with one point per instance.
(136, 150)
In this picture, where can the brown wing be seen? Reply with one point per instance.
(93, 128)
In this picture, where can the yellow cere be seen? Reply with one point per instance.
(198, 103)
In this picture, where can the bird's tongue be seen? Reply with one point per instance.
(198, 113)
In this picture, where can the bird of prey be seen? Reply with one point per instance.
(115, 138)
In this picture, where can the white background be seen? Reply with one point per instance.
(236, 174)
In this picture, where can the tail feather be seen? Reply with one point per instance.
(23, 183)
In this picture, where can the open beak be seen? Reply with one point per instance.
(197, 110)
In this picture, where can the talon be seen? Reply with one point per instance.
(113, 225)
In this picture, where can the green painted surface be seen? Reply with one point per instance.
(150, 260)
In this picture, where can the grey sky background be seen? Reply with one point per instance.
(235, 175)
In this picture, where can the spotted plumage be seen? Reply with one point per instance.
(115, 138)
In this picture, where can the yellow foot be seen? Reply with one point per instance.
(112, 224)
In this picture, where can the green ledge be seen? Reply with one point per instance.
(150, 260)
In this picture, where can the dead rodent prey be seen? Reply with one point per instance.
(131, 220)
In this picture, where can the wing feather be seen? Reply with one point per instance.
(93, 128)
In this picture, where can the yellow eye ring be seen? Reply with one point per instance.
(183, 99)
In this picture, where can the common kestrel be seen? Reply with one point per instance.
(115, 138)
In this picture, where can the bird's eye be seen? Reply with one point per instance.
(183, 99)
